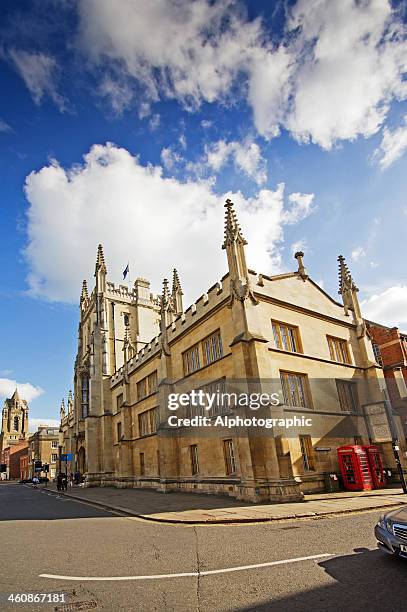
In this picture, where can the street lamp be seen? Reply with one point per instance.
(394, 439)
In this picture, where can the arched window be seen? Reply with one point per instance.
(85, 396)
(15, 421)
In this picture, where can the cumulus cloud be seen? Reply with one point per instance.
(26, 390)
(353, 59)
(331, 77)
(39, 72)
(141, 216)
(194, 53)
(358, 253)
(388, 307)
(246, 157)
(392, 146)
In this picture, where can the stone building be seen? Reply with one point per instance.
(43, 446)
(14, 421)
(250, 331)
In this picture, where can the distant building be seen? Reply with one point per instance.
(11, 457)
(14, 421)
(43, 447)
(390, 348)
(24, 473)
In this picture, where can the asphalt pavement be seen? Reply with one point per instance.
(96, 559)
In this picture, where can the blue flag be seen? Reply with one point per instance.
(126, 271)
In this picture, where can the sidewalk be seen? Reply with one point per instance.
(180, 507)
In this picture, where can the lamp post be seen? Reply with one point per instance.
(394, 439)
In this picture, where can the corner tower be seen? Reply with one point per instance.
(14, 422)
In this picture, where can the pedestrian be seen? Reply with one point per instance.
(59, 481)
(70, 481)
(36, 482)
(64, 482)
(77, 477)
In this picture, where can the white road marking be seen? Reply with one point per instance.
(186, 574)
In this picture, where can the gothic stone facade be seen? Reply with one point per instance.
(14, 421)
(134, 347)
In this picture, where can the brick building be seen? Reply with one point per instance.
(390, 348)
(24, 466)
(11, 456)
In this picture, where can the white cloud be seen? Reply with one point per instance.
(352, 59)
(184, 50)
(388, 307)
(140, 216)
(170, 158)
(119, 94)
(5, 127)
(246, 157)
(393, 145)
(182, 141)
(154, 122)
(39, 72)
(26, 390)
(358, 253)
(299, 245)
(301, 207)
(33, 424)
(206, 124)
(332, 77)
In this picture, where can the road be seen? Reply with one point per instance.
(41, 533)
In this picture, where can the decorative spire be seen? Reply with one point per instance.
(348, 290)
(166, 312)
(234, 243)
(15, 396)
(62, 409)
(100, 260)
(302, 270)
(233, 233)
(165, 297)
(70, 402)
(346, 282)
(84, 292)
(177, 293)
(100, 271)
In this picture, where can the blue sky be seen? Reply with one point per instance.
(129, 124)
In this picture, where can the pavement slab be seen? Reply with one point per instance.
(200, 508)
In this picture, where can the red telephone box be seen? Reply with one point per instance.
(376, 466)
(355, 468)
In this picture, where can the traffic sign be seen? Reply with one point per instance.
(67, 457)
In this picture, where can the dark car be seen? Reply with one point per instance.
(391, 532)
(25, 480)
(43, 479)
